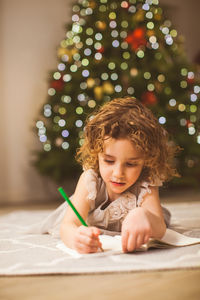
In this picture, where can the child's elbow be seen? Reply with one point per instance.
(162, 230)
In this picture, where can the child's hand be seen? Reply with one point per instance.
(136, 229)
(86, 239)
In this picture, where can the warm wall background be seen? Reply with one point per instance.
(30, 31)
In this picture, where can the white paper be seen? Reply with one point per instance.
(110, 244)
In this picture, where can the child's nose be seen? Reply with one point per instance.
(118, 171)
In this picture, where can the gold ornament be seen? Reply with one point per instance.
(108, 88)
(139, 16)
(61, 51)
(157, 17)
(65, 51)
(92, 4)
(101, 25)
(98, 91)
(90, 83)
(150, 32)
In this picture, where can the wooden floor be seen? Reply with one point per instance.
(183, 285)
(174, 284)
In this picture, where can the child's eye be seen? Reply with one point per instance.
(131, 164)
(109, 161)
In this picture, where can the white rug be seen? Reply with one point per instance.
(22, 254)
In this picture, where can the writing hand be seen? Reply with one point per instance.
(86, 239)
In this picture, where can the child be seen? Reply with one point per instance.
(126, 156)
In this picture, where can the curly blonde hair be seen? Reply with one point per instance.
(129, 118)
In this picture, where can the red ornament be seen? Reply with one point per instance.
(57, 84)
(137, 38)
(149, 98)
(101, 50)
(190, 80)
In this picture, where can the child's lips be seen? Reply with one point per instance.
(118, 183)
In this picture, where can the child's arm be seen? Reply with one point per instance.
(73, 233)
(143, 222)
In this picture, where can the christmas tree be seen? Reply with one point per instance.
(114, 49)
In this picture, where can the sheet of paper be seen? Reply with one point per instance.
(110, 244)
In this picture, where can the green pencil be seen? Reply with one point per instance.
(60, 189)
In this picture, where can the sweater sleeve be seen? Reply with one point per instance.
(144, 188)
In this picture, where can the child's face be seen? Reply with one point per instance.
(120, 165)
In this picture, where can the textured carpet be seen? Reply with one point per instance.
(28, 254)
